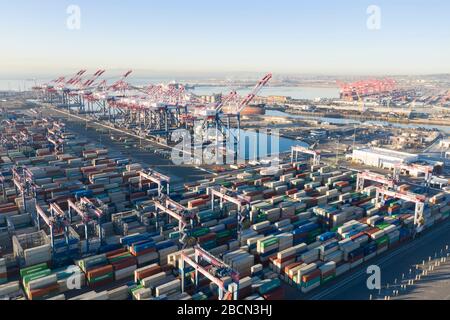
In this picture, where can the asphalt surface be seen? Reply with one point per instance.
(434, 282)
(179, 174)
(394, 264)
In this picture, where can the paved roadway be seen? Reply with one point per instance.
(179, 174)
(435, 284)
(393, 264)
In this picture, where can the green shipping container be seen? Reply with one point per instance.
(33, 269)
(329, 278)
(36, 275)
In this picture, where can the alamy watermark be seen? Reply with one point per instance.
(374, 19)
(73, 21)
(374, 280)
(215, 147)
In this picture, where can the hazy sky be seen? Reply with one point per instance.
(282, 36)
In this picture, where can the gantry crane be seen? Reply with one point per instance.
(214, 117)
(84, 91)
(73, 91)
(295, 151)
(186, 218)
(51, 91)
(156, 109)
(24, 184)
(366, 88)
(86, 208)
(64, 88)
(161, 180)
(217, 271)
(427, 170)
(54, 136)
(106, 96)
(419, 200)
(225, 194)
(58, 223)
(362, 177)
(247, 100)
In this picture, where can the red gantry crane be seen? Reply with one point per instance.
(427, 170)
(375, 177)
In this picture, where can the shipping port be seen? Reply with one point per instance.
(233, 155)
(93, 209)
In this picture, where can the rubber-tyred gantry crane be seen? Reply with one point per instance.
(296, 150)
(159, 179)
(215, 272)
(427, 170)
(362, 177)
(58, 222)
(88, 211)
(226, 195)
(186, 218)
(24, 185)
(419, 200)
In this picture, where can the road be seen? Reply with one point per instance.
(179, 174)
(435, 283)
(393, 264)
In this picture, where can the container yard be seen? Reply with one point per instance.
(81, 222)
(224, 159)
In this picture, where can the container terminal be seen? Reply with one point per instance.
(93, 209)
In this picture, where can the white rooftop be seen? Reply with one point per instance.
(389, 153)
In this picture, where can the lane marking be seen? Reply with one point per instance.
(380, 262)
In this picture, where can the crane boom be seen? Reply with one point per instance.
(249, 98)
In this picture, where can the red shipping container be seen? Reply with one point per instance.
(277, 294)
(124, 264)
(291, 192)
(311, 276)
(94, 273)
(143, 252)
(42, 292)
(115, 252)
(148, 273)
(208, 237)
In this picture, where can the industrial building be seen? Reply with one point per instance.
(382, 158)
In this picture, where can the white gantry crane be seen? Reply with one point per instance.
(159, 179)
(226, 195)
(295, 151)
(184, 216)
(427, 170)
(89, 212)
(419, 200)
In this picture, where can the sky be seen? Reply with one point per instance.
(225, 36)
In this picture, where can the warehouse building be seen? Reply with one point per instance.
(382, 158)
